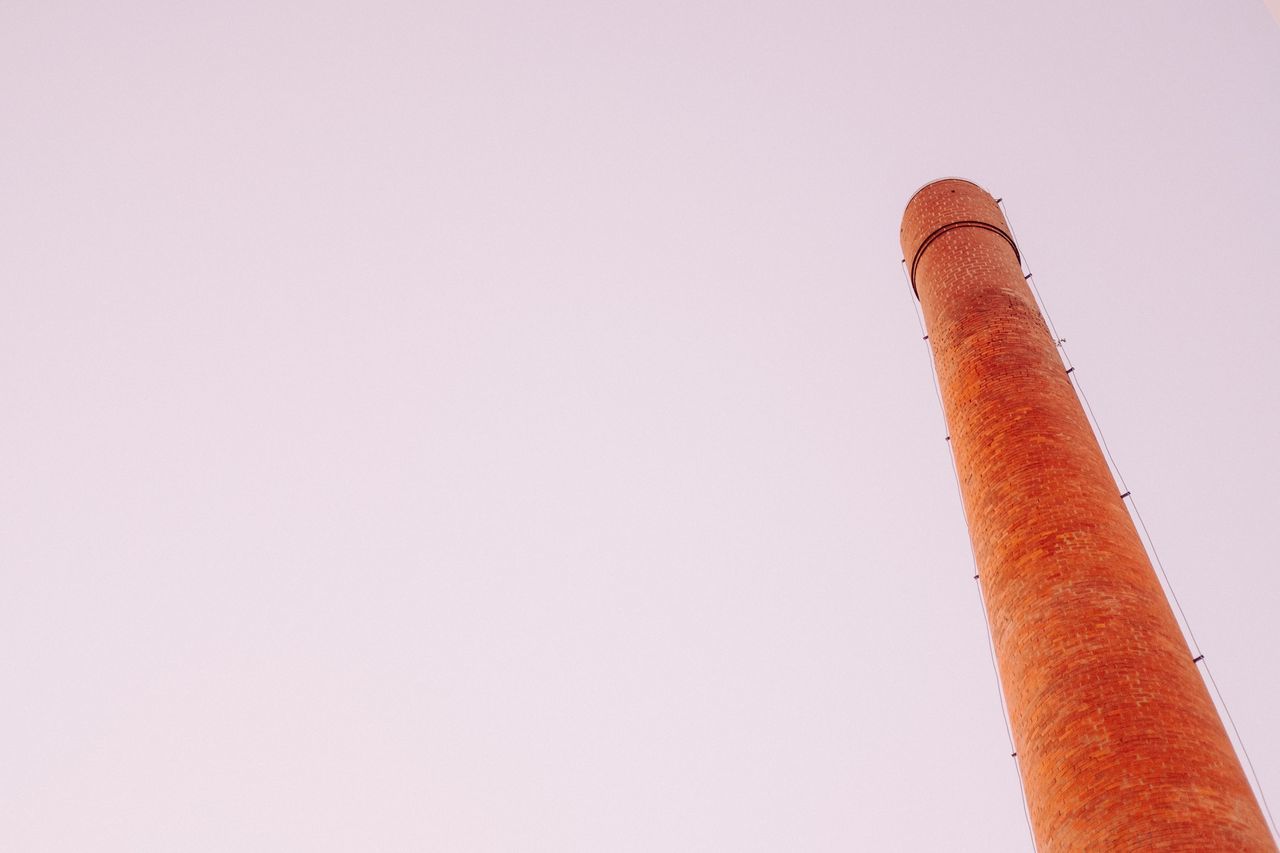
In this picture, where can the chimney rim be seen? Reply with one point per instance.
(926, 186)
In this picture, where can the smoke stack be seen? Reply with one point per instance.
(1119, 744)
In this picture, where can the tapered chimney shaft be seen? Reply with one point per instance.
(1119, 744)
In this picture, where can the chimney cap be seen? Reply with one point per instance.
(928, 184)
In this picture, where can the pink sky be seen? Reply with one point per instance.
(503, 427)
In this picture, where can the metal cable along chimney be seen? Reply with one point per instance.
(1119, 744)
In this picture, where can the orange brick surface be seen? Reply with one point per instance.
(1119, 744)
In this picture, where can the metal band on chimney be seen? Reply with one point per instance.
(964, 223)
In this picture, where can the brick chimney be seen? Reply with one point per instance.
(1119, 744)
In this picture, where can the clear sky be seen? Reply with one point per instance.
(475, 426)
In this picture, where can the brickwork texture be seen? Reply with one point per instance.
(1119, 744)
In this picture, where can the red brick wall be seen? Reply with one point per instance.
(1119, 743)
